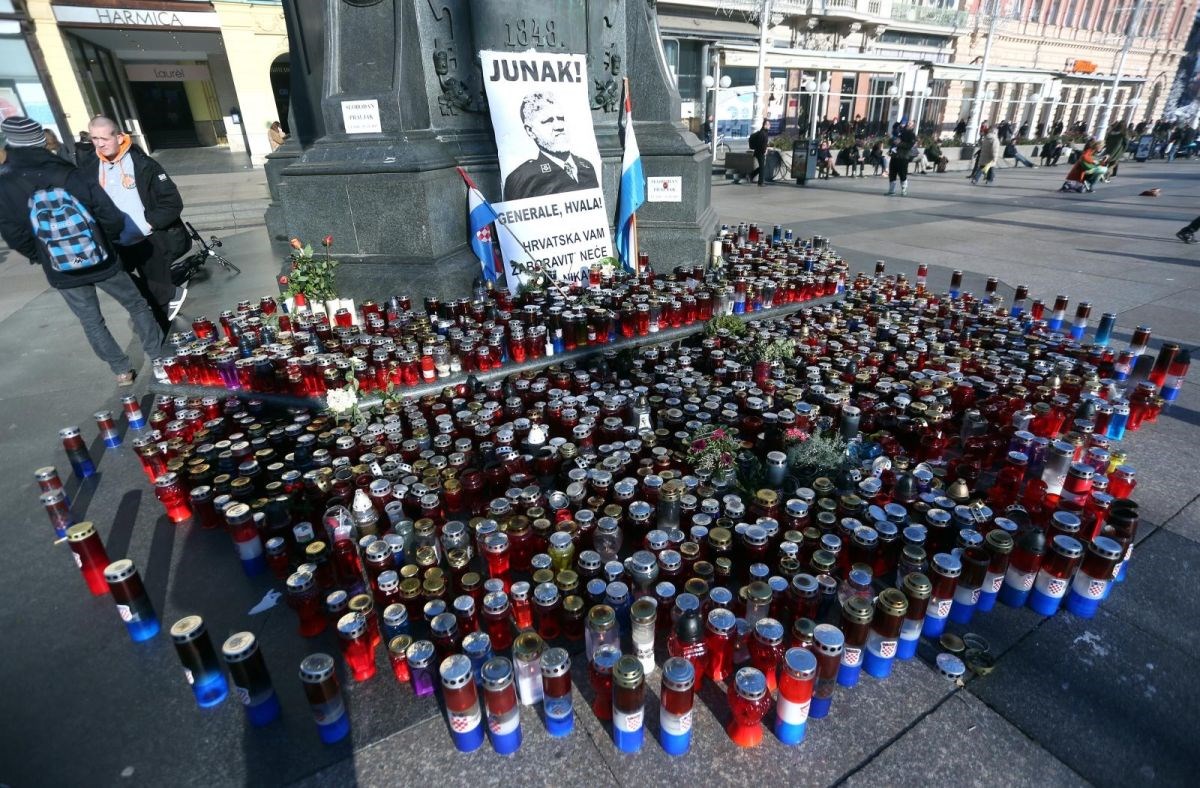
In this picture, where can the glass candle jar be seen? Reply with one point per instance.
(1093, 577)
(133, 603)
(797, 675)
(721, 628)
(556, 692)
(522, 607)
(357, 648)
(527, 657)
(1023, 566)
(828, 642)
(944, 570)
(397, 648)
(90, 556)
(201, 667)
(601, 630)
(500, 702)
(642, 615)
(857, 614)
(1054, 576)
(600, 670)
(748, 703)
(546, 606)
(324, 695)
(999, 546)
(77, 452)
(676, 699)
(629, 699)
(246, 539)
(687, 638)
(420, 667)
(58, 509)
(497, 620)
(917, 589)
(251, 679)
(303, 596)
(766, 648)
(890, 608)
(461, 699)
(174, 497)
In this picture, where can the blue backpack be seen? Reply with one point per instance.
(66, 229)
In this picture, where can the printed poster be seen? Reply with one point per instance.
(550, 166)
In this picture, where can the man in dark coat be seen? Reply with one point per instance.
(31, 168)
(758, 144)
(556, 169)
(154, 235)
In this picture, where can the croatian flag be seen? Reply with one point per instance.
(480, 215)
(632, 190)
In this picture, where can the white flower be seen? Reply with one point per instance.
(341, 400)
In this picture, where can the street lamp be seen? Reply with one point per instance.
(809, 86)
(923, 95)
(711, 83)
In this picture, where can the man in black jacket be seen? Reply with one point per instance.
(29, 168)
(154, 235)
(758, 144)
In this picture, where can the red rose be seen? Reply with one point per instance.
(327, 241)
(295, 242)
(283, 280)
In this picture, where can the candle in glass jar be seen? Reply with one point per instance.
(324, 695)
(133, 603)
(1091, 581)
(1054, 576)
(461, 698)
(201, 667)
(677, 697)
(500, 702)
(251, 679)
(90, 556)
(556, 692)
(797, 675)
(628, 703)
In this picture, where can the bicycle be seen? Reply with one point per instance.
(186, 267)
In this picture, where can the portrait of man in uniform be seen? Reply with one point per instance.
(555, 169)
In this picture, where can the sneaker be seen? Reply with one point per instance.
(126, 378)
(1186, 236)
(176, 303)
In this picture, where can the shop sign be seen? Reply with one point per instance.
(135, 17)
(165, 72)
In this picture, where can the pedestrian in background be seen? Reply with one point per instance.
(985, 166)
(876, 159)
(154, 235)
(903, 143)
(1115, 146)
(758, 144)
(1011, 152)
(69, 235)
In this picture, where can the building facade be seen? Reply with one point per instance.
(173, 73)
(878, 61)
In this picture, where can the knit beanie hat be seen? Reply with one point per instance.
(22, 132)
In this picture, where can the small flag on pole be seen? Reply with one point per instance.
(480, 216)
(632, 189)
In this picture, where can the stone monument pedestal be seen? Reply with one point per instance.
(403, 106)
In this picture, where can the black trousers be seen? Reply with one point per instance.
(761, 169)
(898, 168)
(1194, 226)
(148, 262)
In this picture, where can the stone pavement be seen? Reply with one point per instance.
(1110, 701)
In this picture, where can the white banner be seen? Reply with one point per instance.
(549, 163)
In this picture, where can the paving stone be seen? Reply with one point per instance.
(1167, 609)
(1105, 697)
(963, 742)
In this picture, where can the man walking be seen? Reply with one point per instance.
(1188, 233)
(53, 214)
(154, 235)
(903, 143)
(758, 144)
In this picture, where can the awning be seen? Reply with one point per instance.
(713, 28)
